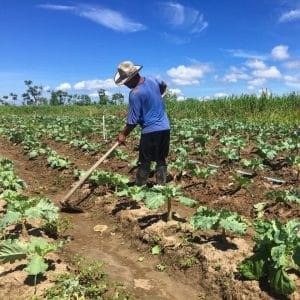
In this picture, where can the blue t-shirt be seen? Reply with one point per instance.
(146, 107)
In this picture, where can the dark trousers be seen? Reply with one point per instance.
(154, 146)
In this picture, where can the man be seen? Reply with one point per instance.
(146, 108)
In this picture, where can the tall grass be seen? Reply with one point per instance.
(266, 108)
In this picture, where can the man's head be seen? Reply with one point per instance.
(127, 74)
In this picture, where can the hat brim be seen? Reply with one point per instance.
(119, 80)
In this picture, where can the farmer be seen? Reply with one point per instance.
(146, 108)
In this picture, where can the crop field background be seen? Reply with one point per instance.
(226, 225)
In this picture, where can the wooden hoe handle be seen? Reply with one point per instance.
(64, 201)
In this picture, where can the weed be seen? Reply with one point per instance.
(188, 262)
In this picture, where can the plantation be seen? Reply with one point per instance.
(226, 225)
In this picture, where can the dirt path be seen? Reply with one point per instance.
(121, 258)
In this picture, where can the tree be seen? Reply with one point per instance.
(33, 94)
(59, 97)
(8, 99)
(103, 98)
(117, 98)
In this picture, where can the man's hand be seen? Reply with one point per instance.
(123, 135)
(121, 138)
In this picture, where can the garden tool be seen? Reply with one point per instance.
(67, 206)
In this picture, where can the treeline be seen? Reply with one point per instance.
(34, 96)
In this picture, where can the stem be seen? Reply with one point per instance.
(35, 277)
(24, 230)
(169, 215)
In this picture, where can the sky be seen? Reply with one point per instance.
(201, 49)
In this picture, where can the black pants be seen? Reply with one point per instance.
(154, 146)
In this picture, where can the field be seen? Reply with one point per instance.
(226, 225)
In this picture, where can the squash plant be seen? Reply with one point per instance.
(34, 251)
(21, 209)
(276, 251)
(160, 194)
(207, 218)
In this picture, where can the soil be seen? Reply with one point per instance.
(132, 230)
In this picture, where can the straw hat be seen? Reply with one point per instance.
(126, 70)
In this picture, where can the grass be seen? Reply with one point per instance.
(267, 108)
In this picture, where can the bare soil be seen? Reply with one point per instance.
(132, 230)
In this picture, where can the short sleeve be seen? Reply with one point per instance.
(134, 109)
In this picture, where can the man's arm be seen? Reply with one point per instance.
(125, 132)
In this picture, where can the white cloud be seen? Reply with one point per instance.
(183, 17)
(94, 84)
(57, 7)
(106, 17)
(256, 64)
(191, 75)
(268, 73)
(292, 81)
(290, 78)
(257, 82)
(110, 19)
(245, 54)
(280, 52)
(46, 88)
(220, 95)
(178, 92)
(290, 16)
(234, 77)
(293, 64)
(64, 87)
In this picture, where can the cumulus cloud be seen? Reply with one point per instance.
(178, 92)
(289, 16)
(183, 17)
(256, 64)
(106, 17)
(220, 95)
(292, 65)
(280, 52)
(191, 75)
(268, 73)
(46, 88)
(234, 77)
(257, 82)
(95, 84)
(64, 87)
(245, 54)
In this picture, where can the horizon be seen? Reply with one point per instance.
(202, 50)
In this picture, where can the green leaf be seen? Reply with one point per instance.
(12, 250)
(281, 282)
(155, 250)
(296, 256)
(253, 267)
(187, 201)
(204, 218)
(154, 200)
(279, 256)
(11, 217)
(36, 265)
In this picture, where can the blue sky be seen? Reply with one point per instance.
(200, 48)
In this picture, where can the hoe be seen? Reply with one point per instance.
(66, 205)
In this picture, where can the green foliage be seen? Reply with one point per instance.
(207, 218)
(155, 250)
(159, 194)
(291, 195)
(276, 251)
(87, 280)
